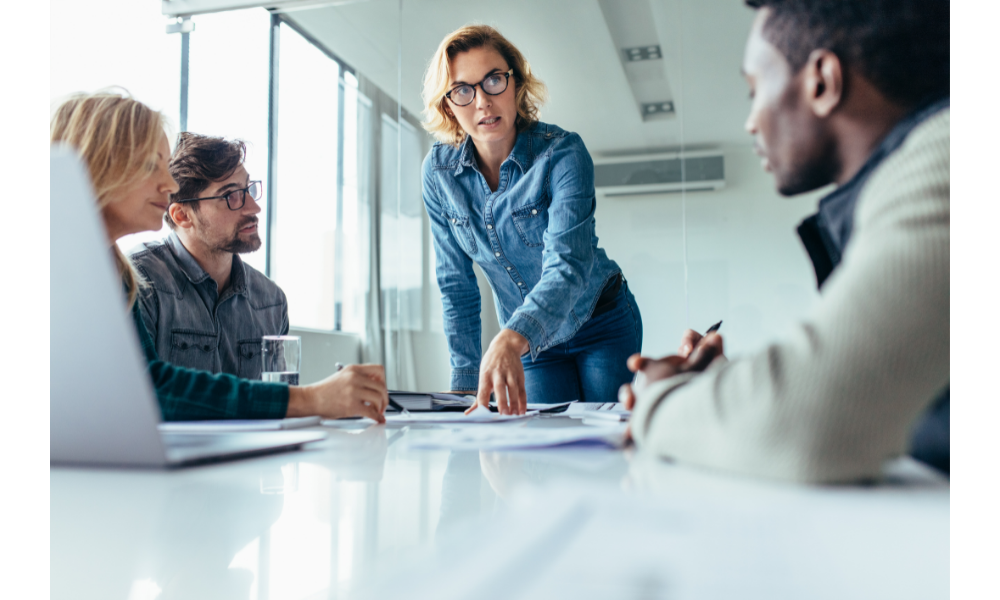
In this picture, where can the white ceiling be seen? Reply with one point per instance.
(570, 49)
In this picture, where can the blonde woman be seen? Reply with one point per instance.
(124, 146)
(516, 196)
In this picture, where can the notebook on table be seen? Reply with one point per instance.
(433, 401)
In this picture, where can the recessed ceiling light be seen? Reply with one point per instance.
(652, 108)
(643, 53)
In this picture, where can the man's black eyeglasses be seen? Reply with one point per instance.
(234, 199)
(494, 85)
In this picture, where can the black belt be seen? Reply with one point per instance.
(609, 294)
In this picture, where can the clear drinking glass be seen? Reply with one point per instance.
(282, 356)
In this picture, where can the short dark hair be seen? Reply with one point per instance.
(901, 46)
(200, 160)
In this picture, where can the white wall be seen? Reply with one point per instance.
(746, 265)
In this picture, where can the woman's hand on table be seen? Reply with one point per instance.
(502, 373)
(356, 391)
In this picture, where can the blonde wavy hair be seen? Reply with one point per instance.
(117, 137)
(529, 91)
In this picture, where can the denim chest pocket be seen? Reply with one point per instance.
(250, 360)
(193, 349)
(462, 230)
(531, 222)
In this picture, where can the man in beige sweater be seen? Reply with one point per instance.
(854, 92)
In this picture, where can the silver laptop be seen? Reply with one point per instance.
(103, 410)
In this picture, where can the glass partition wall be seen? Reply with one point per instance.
(653, 87)
(327, 98)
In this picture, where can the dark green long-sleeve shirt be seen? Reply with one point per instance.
(188, 395)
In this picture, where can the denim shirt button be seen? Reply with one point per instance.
(534, 211)
(489, 227)
(509, 268)
(496, 254)
(207, 347)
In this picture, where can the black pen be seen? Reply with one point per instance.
(392, 402)
(398, 407)
(713, 328)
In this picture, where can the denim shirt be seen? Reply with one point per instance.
(534, 238)
(192, 326)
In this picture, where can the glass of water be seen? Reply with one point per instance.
(282, 356)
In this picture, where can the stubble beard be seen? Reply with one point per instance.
(805, 158)
(806, 176)
(238, 245)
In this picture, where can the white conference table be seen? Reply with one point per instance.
(361, 515)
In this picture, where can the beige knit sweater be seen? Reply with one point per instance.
(840, 395)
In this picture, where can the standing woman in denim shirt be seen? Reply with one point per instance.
(516, 196)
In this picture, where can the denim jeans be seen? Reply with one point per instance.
(591, 366)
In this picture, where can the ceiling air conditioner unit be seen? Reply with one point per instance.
(641, 174)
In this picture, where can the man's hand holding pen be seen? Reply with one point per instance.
(695, 354)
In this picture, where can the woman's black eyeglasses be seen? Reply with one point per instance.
(234, 199)
(495, 84)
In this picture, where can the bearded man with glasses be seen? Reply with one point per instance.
(203, 306)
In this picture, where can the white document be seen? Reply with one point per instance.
(519, 438)
(478, 417)
(230, 425)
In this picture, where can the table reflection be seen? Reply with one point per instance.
(335, 518)
(202, 528)
(164, 536)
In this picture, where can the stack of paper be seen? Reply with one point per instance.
(424, 401)
(615, 416)
(457, 418)
(580, 408)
